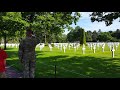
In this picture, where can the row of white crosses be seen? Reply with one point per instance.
(11, 45)
(110, 45)
(83, 49)
(70, 45)
(64, 46)
(113, 49)
(50, 47)
(116, 44)
(94, 46)
(56, 45)
(103, 47)
(41, 45)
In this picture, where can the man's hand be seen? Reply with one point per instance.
(33, 36)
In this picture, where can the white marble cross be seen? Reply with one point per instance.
(113, 50)
(75, 48)
(78, 45)
(103, 46)
(110, 47)
(41, 46)
(50, 47)
(83, 49)
(69, 46)
(91, 46)
(94, 47)
(60, 46)
(116, 47)
(64, 47)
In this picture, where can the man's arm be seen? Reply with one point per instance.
(37, 39)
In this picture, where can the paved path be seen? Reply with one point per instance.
(13, 73)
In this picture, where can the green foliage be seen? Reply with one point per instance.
(94, 36)
(107, 17)
(82, 37)
(110, 36)
(10, 22)
(74, 35)
(49, 23)
(78, 34)
(45, 24)
(88, 36)
(103, 37)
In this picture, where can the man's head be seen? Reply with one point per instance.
(29, 32)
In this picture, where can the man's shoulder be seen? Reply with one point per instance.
(34, 38)
(28, 39)
(22, 40)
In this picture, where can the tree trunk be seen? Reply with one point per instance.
(45, 38)
(4, 41)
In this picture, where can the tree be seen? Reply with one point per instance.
(77, 34)
(50, 22)
(63, 38)
(10, 23)
(70, 36)
(74, 35)
(107, 17)
(94, 36)
(89, 36)
(117, 34)
(105, 37)
(82, 37)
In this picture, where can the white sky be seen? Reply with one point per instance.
(85, 22)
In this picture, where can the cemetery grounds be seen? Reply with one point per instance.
(71, 63)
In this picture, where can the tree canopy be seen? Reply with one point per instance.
(107, 17)
(44, 24)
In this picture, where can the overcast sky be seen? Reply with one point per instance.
(86, 23)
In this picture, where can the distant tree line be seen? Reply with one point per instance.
(95, 36)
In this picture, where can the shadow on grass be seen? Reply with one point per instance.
(71, 67)
(10, 48)
(78, 67)
(14, 54)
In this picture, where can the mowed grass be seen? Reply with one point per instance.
(71, 64)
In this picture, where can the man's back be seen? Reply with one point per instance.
(27, 48)
(29, 44)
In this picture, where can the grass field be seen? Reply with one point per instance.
(71, 64)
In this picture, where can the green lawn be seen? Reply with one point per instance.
(71, 64)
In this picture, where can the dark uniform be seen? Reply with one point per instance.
(28, 56)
